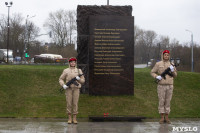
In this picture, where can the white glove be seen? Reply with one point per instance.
(171, 68)
(78, 78)
(65, 87)
(159, 78)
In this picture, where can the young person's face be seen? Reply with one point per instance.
(166, 56)
(72, 63)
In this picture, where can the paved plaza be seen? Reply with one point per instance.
(8, 125)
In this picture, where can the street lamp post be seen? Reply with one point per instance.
(8, 34)
(26, 35)
(192, 61)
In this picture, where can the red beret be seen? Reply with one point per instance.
(166, 51)
(72, 59)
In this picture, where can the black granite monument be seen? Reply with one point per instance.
(106, 49)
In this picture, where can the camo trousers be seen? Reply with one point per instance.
(72, 97)
(164, 95)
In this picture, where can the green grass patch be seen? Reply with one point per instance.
(33, 91)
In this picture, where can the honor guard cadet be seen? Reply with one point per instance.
(165, 84)
(73, 90)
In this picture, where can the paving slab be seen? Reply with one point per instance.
(8, 125)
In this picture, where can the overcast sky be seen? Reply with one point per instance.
(165, 17)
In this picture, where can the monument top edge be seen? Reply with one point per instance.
(104, 6)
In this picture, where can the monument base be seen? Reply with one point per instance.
(116, 118)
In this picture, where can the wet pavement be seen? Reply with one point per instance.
(8, 125)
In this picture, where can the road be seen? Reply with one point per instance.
(60, 126)
(140, 65)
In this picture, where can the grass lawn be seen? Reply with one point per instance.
(33, 91)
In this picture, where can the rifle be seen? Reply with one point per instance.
(167, 72)
(72, 81)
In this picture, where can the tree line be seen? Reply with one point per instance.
(61, 27)
(149, 46)
(23, 37)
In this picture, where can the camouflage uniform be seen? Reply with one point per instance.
(165, 95)
(72, 93)
(165, 86)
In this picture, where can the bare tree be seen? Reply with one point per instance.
(139, 45)
(144, 42)
(17, 33)
(16, 36)
(71, 24)
(150, 37)
(164, 41)
(3, 31)
(31, 33)
(63, 25)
